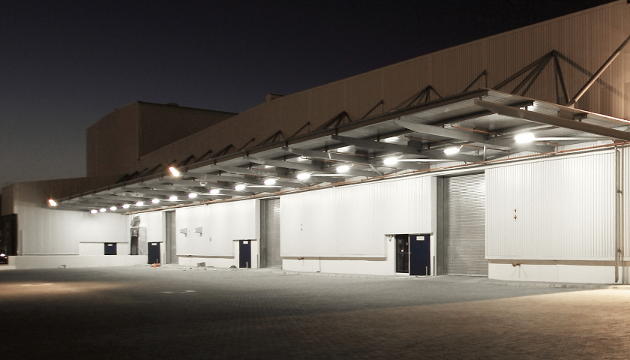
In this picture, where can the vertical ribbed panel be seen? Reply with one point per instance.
(464, 225)
(221, 224)
(565, 209)
(270, 233)
(625, 204)
(353, 220)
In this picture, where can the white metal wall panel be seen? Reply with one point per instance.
(564, 208)
(221, 224)
(464, 225)
(625, 204)
(352, 220)
(270, 233)
(154, 223)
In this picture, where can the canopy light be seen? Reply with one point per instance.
(173, 198)
(344, 149)
(240, 187)
(52, 202)
(140, 203)
(192, 195)
(391, 139)
(215, 192)
(270, 182)
(113, 208)
(452, 150)
(103, 210)
(126, 206)
(343, 168)
(302, 158)
(303, 176)
(155, 201)
(392, 160)
(524, 138)
(93, 211)
(268, 166)
(174, 171)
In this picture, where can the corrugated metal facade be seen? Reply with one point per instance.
(557, 209)
(270, 233)
(464, 225)
(221, 224)
(353, 220)
(586, 38)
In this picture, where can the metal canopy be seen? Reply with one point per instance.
(481, 124)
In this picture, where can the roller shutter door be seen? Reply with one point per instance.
(270, 234)
(464, 225)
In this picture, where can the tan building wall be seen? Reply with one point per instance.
(117, 141)
(586, 38)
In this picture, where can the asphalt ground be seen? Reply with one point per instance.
(190, 313)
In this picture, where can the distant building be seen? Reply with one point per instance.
(504, 157)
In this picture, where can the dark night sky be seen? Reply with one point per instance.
(65, 65)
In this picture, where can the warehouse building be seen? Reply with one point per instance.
(504, 157)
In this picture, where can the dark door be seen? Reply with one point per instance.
(419, 255)
(133, 246)
(402, 253)
(154, 253)
(110, 248)
(244, 254)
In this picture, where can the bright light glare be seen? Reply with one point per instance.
(173, 198)
(113, 208)
(174, 171)
(524, 138)
(392, 160)
(93, 211)
(240, 187)
(303, 176)
(344, 149)
(452, 150)
(215, 192)
(103, 210)
(391, 139)
(126, 206)
(343, 168)
(270, 182)
(192, 195)
(52, 202)
(155, 201)
(302, 158)
(140, 203)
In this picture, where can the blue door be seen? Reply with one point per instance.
(154, 253)
(419, 255)
(244, 254)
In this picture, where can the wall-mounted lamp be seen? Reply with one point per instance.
(174, 171)
(52, 202)
(199, 230)
(184, 231)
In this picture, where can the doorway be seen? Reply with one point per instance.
(244, 254)
(413, 254)
(154, 253)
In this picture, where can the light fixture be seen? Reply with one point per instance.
(391, 139)
(343, 168)
(192, 195)
(113, 208)
(215, 192)
(524, 137)
(155, 201)
(389, 161)
(302, 158)
(268, 166)
(93, 211)
(343, 149)
(126, 206)
(240, 187)
(52, 202)
(452, 150)
(140, 203)
(174, 171)
(103, 210)
(303, 176)
(270, 182)
(172, 198)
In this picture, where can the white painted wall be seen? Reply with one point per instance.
(221, 224)
(154, 222)
(565, 209)
(352, 220)
(75, 261)
(592, 274)
(97, 249)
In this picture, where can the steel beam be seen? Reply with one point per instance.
(439, 154)
(376, 145)
(438, 131)
(552, 120)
